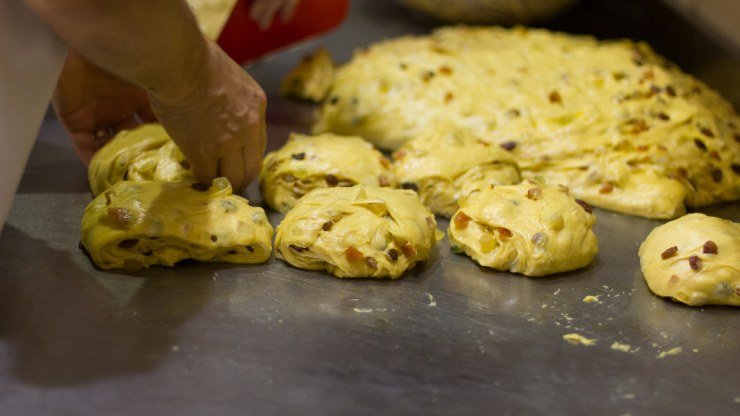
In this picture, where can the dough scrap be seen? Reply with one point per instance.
(137, 225)
(619, 125)
(694, 260)
(305, 163)
(311, 79)
(447, 164)
(525, 228)
(357, 232)
(145, 153)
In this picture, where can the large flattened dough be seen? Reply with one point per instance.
(145, 153)
(306, 162)
(357, 232)
(447, 164)
(136, 225)
(619, 125)
(525, 228)
(695, 260)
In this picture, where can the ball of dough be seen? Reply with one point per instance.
(357, 232)
(613, 121)
(311, 79)
(145, 153)
(447, 164)
(136, 225)
(525, 228)
(695, 260)
(305, 163)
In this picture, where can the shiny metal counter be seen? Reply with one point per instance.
(449, 338)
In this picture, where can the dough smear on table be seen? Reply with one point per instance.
(619, 125)
(695, 260)
(446, 164)
(136, 225)
(145, 153)
(357, 232)
(525, 228)
(309, 162)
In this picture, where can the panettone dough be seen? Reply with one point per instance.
(135, 225)
(525, 228)
(448, 164)
(619, 125)
(309, 162)
(357, 232)
(695, 260)
(311, 79)
(145, 153)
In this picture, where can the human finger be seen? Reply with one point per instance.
(86, 143)
(289, 10)
(261, 12)
(146, 114)
(253, 156)
(204, 169)
(232, 167)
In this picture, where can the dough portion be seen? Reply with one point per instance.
(311, 79)
(525, 228)
(619, 125)
(309, 162)
(357, 232)
(212, 15)
(446, 164)
(137, 225)
(694, 260)
(145, 153)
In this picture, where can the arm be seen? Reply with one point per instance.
(212, 109)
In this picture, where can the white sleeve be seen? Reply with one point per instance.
(31, 58)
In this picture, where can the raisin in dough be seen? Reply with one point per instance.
(145, 153)
(695, 260)
(447, 164)
(616, 123)
(525, 228)
(308, 162)
(357, 232)
(136, 225)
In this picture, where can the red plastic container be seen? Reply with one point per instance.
(244, 41)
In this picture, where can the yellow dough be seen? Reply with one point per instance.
(448, 164)
(525, 228)
(308, 162)
(145, 153)
(357, 232)
(695, 260)
(212, 15)
(311, 79)
(136, 225)
(622, 127)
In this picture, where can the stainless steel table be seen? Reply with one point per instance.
(449, 338)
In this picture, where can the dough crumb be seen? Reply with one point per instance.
(577, 339)
(621, 347)
(362, 310)
(432, 301)
(629, 396)
(672, 351)
(695, 350)
(175, 348)
(591, 299)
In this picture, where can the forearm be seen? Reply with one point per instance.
(154, 44)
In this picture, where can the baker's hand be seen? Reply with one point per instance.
(220, 124)
(263, 11)
(93, 105)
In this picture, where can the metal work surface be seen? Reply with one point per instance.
(449, 338)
